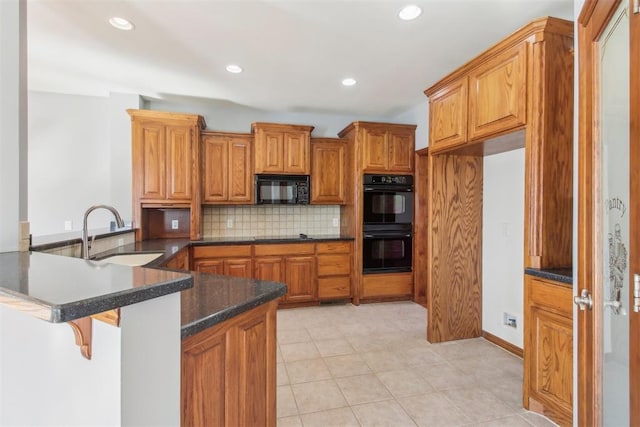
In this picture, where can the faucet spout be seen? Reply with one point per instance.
(85, 230)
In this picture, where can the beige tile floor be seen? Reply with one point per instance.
(370, 365)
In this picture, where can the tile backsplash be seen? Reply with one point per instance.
(270, 221)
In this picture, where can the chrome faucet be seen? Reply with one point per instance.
(85, 231)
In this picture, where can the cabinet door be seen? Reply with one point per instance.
(216, 172)
(269, 151)
(239, 171)
(296, 153)
(213, 266)
(205, 369)
(179, 162)
(149, 157)
(448, 116)
(300, 278)
(401, 151)
(239, 267)
(498, 94)
(255, 355)
(328, 173)
(180, 261)
(375, 153)
(551, 376)
(269, 268)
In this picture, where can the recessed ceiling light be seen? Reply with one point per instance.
(235, 69)
(121, 23)
(349, 82)
(409, 12)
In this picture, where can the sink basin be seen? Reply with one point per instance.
(133, 260)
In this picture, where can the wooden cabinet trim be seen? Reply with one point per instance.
(280, 249)
(222, 251)
(333, 248)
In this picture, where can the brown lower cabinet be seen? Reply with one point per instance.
(312, 271)
(292, 264)
(228, 260)
(229, 372)
(548, 349)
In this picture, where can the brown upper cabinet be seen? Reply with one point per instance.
(448, 115)
(165, 157)
(165, 146)
(499, 91)
(498, 94)
(384, 147)
(282, 149)
(328, 170)
(227, 177)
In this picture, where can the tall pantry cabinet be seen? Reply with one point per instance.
(165, 154)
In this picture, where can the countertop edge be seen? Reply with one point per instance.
(84, 308)
(557, 275)
(200, 325)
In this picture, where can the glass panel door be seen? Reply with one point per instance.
(613, 48)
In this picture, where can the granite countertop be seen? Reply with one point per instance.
(71, 288)
(215, 298)
(561, 275)
(269, 239)
(59, 289)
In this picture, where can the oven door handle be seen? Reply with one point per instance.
(388, 188)
(378, 236)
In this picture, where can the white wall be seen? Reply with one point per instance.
(79, 155)
(132, 379)
(418, 115)
(120, 151)
(13, 121)
(503, 244)
(230, 117)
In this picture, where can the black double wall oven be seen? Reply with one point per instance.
(387, 223)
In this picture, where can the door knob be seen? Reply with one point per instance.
(583, 301)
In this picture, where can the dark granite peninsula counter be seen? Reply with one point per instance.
(214, 299)
(60, 289)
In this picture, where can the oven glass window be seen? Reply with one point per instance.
(388, 204)
(388, 250)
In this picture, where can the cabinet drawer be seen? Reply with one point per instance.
(334, 287)
(387, 285)
(284, 249)
(223, 251)
(334, 247)
(551, 296)
(334, 265)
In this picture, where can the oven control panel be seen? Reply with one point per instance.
(389, 179)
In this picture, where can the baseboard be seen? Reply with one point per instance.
(503, 344)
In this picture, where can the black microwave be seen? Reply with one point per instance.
(282, 189)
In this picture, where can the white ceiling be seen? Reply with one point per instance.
(294, 52)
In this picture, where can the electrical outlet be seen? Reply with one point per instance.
(68, 225)
(174, 224)
(510, 320)
(229, 222)
(336, 222)
(120, 242)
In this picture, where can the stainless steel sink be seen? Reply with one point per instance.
(132, 259)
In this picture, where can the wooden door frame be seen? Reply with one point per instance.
(634, 214)
(592, 21)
